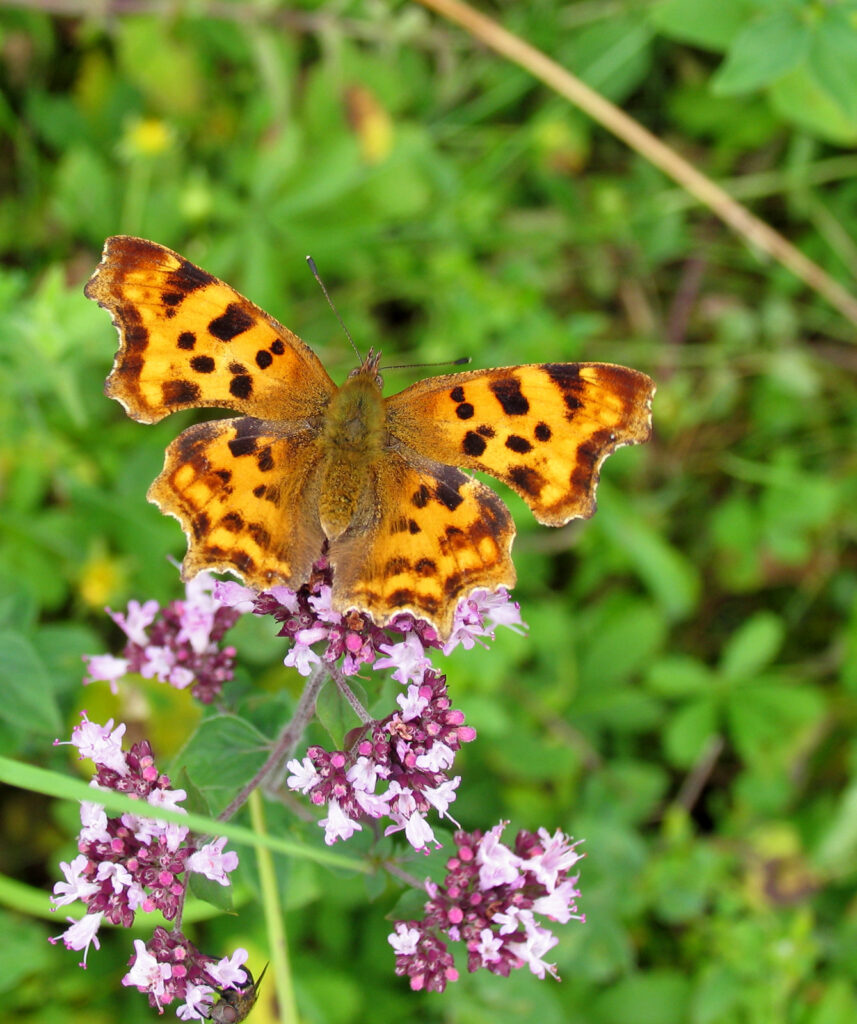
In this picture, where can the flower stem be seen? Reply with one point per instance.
(349, 695)
(286, 744)
(274, 919)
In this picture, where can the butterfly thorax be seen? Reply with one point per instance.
(352, 440)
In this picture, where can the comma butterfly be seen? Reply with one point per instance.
(378, 480)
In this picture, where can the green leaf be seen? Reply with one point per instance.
(679, 676)
(833, 59)
(672, 579)
(837, 847)
(212, 892)
(800, 99)
(651, 997)
(195, 801)
(711, 24)
(690, 730)
(335, 713)
(770, 717)
(766, 49)
(848, 642)
(753, 646)
(23, 950)
(622, 644)
(28, 701)
(223, 755)
(716, 994)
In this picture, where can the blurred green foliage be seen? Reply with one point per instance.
(687, 696)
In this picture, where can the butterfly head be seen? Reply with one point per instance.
(369, 368)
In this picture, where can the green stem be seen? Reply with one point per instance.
(274, 918)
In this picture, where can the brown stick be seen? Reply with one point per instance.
(755, 231)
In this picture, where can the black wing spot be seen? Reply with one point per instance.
(447, 496)
(189, 277)
(201, 524)
(265, 462)
(567, 378)
(187, 340)
(277, 347)
(528, 480)
(241, 386)
(457, 393)
(414, 527)
(172, 298)
(233, 522)
(516, 443)
(259, 491)
(464, 411)
(473, 444)
(263, 359)
(260, 535)
(242, 446)
(485, 430)
(232, 322)
(396, 565)
(508, 393)
(426, 567)
(202, 364)
(542, 432)
(243, 562)
(224, 474)
(180, 392)
(401, 597)
(420, 497)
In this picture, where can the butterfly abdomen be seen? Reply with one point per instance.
(352, 441)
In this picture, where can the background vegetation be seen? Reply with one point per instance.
(687, 696)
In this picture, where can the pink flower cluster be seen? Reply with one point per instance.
(178, 644)
(488, 901)
(170, 967)
(133, 862)
(308, 619)
(411, 750)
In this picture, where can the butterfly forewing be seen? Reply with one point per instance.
(187, 340)
(542, 429)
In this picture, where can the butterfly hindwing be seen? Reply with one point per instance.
(245, 493)
(187, 340)
(444, 535)
(542, 429)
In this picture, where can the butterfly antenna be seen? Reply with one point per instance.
(463, 361)
(315, 274)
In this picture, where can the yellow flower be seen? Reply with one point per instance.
(101, 579)
(147, 137)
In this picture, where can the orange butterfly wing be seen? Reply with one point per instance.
(438, 534)
(543, 429)
(246, 493)
(187, 340)
(242, 489)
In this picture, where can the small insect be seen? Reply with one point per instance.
(235, 1004)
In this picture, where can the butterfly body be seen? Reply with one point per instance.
(378, 482)
(353, 440)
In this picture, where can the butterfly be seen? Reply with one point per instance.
(378, 483)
